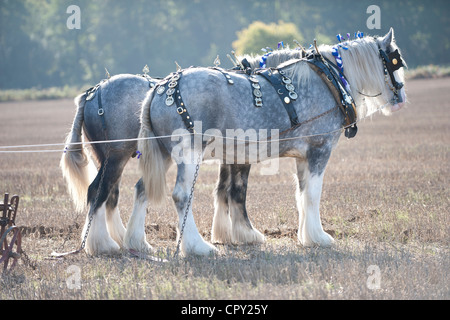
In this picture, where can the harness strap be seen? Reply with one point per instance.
(90, 94)
(101, 111)
(256, 91)
(343, 98)
(277, 79)
(224, 73)
(182, 111)
(174, 96)
(151, 82)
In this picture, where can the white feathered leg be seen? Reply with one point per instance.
(192, 242)
(135, 237)
(113, 221)
(243, 231)
(99, 241)
(114, 225)
(308, 193)
(221, 226)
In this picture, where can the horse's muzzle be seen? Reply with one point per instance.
(397, 106)
(400, 103)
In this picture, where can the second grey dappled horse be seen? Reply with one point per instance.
(119, 99)
(109, 112)
(219, 106)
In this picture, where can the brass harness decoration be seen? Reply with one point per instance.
(276, 77)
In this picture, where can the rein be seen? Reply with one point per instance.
(369, 96)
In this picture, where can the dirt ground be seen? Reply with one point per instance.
(385, 200)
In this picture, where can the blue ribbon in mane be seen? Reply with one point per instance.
(337, 56)
(262, 61)
(339, 63)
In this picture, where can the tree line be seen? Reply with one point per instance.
(38, 49)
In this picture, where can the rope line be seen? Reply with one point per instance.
(2, 148)
(146, 138)
(87, 142)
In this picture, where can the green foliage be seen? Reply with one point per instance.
(38, 50)
(260, 35)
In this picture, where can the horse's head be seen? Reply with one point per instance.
(393, 69)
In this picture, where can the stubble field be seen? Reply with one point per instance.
(385, 200)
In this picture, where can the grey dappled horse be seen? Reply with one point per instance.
(120, 98)
(212, 104)
(110, 112)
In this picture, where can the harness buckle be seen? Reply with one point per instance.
(101, 112)
(180, 110)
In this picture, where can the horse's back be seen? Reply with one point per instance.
(120, 99)
(211, 99)
(113, 113)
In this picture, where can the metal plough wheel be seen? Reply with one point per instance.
(11, 241)
(10, 236)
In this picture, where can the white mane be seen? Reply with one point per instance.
(363, 69)
(298, 72)
(274, 59)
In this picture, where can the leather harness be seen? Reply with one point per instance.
(285, 89)
(283, 86)
(275, 76)
(326, 70)
(343, 98)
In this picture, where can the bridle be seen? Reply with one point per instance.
(392, 61)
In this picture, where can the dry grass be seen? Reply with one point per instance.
(385, 200)
(428, 72)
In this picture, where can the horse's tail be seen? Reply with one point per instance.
(151, 161)
(77, 167)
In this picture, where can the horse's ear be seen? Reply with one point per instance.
(389, 37)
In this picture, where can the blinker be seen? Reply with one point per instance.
(396, 60)
(392, 60)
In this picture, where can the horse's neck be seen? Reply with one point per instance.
(274, 59)
(279, 57)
